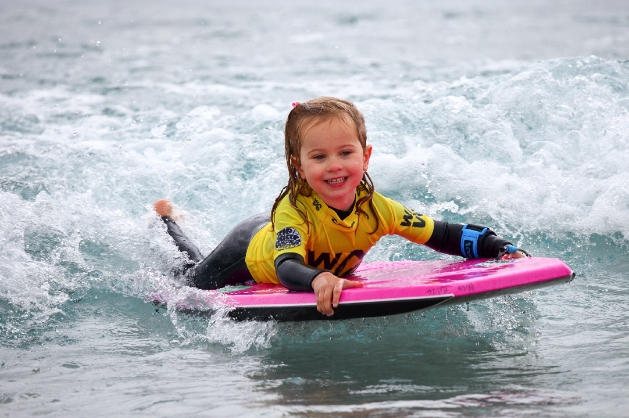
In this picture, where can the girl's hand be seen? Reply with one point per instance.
(517, 254)
(327, 288)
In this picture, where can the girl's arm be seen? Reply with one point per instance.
(469, 241)
(295, 274)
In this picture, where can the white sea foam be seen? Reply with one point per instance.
(537, 149)
(543, 149)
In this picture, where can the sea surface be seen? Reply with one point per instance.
(509, 114)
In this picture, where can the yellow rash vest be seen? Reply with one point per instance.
(328, 242)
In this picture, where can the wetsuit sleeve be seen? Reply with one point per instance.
(446, 238)
(294, 273)
(440, 236)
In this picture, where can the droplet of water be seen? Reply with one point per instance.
(97, 43)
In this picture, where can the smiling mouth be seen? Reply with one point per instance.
(336, 181)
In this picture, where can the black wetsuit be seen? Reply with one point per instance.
(226, 264)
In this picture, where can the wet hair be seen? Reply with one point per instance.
(303, 117)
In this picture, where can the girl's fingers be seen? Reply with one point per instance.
(327, 301)
(321, 300)
(343, 284)
(348, 284)
(324, 299)
(328, 292)
(338, 289)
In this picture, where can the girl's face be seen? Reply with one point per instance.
(332, 161)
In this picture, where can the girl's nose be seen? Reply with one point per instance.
(334, 164)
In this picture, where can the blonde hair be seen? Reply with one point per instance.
(300, 119)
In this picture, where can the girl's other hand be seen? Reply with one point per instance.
(327, 288)
(517, 254)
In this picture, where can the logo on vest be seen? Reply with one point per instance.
(335, 263)
(411, 215)
(287, 238)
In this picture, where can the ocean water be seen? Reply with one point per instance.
(509, 114)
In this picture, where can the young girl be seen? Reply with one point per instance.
(326, 219)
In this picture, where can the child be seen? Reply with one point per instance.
(326, 219)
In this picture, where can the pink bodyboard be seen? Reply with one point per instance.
(399, 287)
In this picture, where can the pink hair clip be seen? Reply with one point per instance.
(295, 104)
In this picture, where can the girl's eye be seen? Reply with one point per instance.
(345, 153)
(319, 157)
